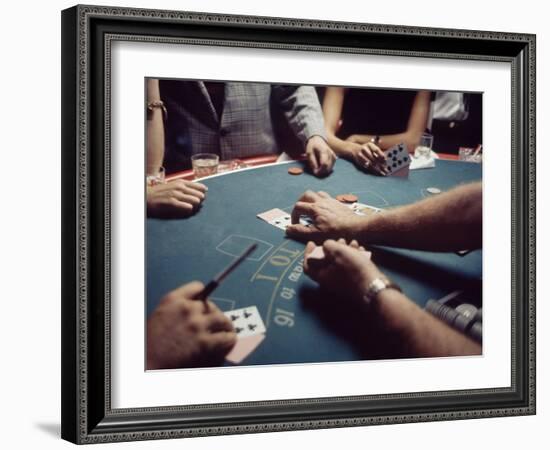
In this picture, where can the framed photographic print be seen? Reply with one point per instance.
(281, 224)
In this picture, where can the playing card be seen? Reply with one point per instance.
(306, 220)
(281, 219)
(363, 210)
(276, 217)
(317, 253)
(272, 214)
(246, 321)
(244, 347)
(398, 160)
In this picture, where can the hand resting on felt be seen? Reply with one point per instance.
(320, 156)
(331, 219)
(448, 222)
(175, 199)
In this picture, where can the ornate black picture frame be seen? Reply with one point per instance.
(87, 35)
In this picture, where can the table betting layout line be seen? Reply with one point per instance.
(279, 247)
(276, 288)
(250, 258)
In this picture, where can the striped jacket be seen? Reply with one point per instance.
(246, 125)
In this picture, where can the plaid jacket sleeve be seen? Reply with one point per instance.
(302, 109)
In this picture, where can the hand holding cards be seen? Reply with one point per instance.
(247, 323)
(182, 332)
(318, 254)
(398, 161)
(345, 269)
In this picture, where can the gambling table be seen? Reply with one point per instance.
(303, 323)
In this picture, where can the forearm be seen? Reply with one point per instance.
(417, 332)
(155, 130)
(342, 148)
(447, 222)
(333, 103)
(411, 138)
(302, 110)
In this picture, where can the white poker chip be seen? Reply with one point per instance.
(434, 190)
(467, 310)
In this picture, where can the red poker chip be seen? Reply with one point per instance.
(346, 198)
(295, 171)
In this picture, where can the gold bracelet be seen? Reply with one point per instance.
(151, 106)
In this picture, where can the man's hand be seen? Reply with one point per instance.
(331, 219)
(182, 332)
(175, 199)
(369, 157)
(344, 270)
(320, 156)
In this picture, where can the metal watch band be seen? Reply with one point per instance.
(375, 287)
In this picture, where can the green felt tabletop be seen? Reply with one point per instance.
(303, 324)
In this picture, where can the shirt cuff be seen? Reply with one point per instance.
(309, 131)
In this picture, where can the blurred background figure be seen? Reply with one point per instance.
(362, 122)
(456, 121)
(223, 120)
(234, 120)
(179, 198)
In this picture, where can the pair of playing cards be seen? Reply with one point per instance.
(250, 329)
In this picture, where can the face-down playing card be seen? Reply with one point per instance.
(250, 330)
(244, 347)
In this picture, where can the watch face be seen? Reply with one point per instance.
(378, 285)
(375, 286)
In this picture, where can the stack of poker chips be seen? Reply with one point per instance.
(465, 317)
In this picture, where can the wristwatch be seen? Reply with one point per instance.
(375, 287)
